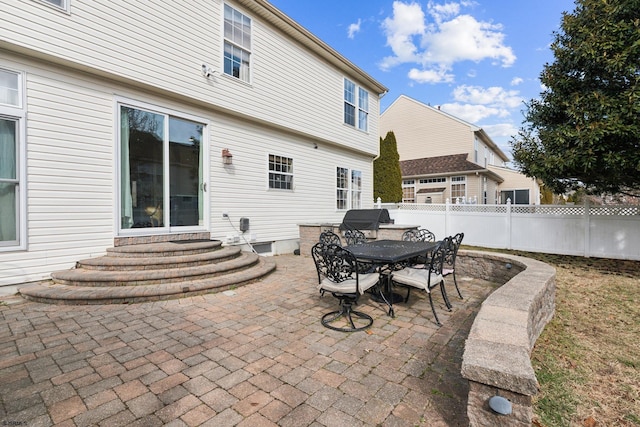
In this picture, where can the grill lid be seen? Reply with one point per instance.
(364, 219)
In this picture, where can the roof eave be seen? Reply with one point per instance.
(278, 19)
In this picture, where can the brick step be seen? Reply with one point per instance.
(126, 263)
(165, 249)
(100, 278)
(56, 293)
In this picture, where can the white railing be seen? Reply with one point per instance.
(583, 230)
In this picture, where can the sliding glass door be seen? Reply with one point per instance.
(161, 171)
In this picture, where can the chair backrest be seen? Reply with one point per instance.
(329, 237)
(438, 256)
(353, 237)
(426, 235)
(419, 235)
(334, 262)
(452, 249)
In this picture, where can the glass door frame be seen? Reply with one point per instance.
(204, 187)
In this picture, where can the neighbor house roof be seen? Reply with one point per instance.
(453, 164)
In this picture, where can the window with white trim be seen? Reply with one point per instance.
(356, 106)
(237, 44)
(458, 187)
(12, 162)
(348, 188)
(408, 191)
(280, 172)
(59, 4)
(433, 180)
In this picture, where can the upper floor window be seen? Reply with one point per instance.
(280, 172)
(356, 106)
(237, 44)
(61, 4)
(348, 189)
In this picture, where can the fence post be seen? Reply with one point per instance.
(509, 230)
(446, 217)
(379, 202)
(587, 229)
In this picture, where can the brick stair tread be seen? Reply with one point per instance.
(107, 276)
(108, 262)
(59, 293)
(162, 249)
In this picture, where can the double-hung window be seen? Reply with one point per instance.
(12, 172)
(356, 106)
(237, 44)
(60, 4)
(348, 188)
(458, 187)
(280, 172)
(408, 191)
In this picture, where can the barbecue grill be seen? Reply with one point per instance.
(365, 219)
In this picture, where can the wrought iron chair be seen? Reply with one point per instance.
(426, 276)
(354, 237)
(338, 274)
(449, 267)
(329, 237)
(419, 235)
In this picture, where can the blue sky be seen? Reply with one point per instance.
(477, 60)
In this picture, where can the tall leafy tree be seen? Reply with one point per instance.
(387, 176)
(584, 130)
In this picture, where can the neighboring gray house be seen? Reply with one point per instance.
(156, 118)
(443, 157)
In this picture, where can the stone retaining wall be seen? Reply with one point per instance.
(497, 354)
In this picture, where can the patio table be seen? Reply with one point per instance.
(386, 255)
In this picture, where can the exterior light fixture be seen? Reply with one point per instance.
(227, 157)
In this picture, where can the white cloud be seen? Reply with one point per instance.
(516, 81)
(473, 113)
(465, 39)
(353, 29)
(430, 76)
(494, 96)
(435, 46)
(406, 23)
(500, 130)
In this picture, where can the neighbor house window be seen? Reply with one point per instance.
(348, 189)
(408, 191)
(280, 172)
(458, 187)
(356, 106)
(237, 44)
(517, 197)
(433, 180)
(12, 159)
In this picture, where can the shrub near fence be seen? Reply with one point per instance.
(591, 231)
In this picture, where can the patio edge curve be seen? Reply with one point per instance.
(497, 352)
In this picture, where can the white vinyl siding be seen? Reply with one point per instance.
(111, 40)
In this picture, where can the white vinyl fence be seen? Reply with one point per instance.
(591, 231)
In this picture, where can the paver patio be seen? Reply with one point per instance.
(256, 356)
